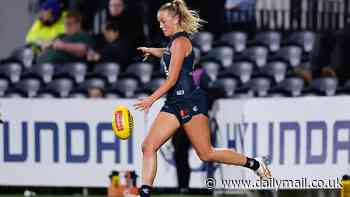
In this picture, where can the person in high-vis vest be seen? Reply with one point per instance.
(48, 25)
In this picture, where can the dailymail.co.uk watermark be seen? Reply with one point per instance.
(273, 183)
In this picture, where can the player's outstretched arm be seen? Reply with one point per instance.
(178, 52)
(147, 51)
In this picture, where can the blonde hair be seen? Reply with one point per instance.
(189, 20)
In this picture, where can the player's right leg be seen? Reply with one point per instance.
(163, 127)
(197, 130)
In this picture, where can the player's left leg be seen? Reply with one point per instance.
(163, 127)
(197, 130)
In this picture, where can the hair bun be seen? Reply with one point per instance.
(177, 2)
(189, 20)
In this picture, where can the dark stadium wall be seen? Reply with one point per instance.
(15, 20)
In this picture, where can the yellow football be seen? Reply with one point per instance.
(123, 122)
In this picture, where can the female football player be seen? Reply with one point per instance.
(186, 104)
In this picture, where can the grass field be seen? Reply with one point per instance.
(281, 193)
(170, 195)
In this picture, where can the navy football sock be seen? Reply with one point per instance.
(145, 191)
(252, 164)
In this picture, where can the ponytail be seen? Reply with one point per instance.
(189, 20)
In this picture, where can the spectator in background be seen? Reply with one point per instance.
(129, 21)
(111, 47)
(325, 58)
(48, 26)
(69, 47)
(64, 4)
(320, 57)
(88, 9)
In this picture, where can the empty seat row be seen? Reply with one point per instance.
(258, 86)
(272, 39)
(293, 86)
(63, 86)
(257, 54)
(78, 71)
(245, 69)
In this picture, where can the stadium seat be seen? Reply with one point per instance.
(236, 39)
(46, 71)
(305, 39)
(128, 86)
(12, 71)
(30, 85)
(204, 40)
(276, 93)
(113, 94)
(78, 94)
(308, 93)
(197, 54)
(109, 70)
(292, 54)
(277, 70)
(4, 84)
(25, 55)
(327, 86)
(46, 94)
(344, 90)
(243, 70)
(142, 94)
(211, 68)
(272, 39)
(243, 93)
(154, 84)
(347, 83)
(293, 86)
(257, 54)
(260, 85)
(95, 81)
(76, 70)
(228, 85)
(224, 54)
(15, 93)
(142, 70)
(62, 85)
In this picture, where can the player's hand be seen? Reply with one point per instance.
(143, 104)
(145, 51)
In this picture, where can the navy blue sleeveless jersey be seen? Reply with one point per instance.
(184, 99)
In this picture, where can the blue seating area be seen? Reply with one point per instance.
(260, 67)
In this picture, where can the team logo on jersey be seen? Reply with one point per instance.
(180, 92)
(195, 108)
(184, 113)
